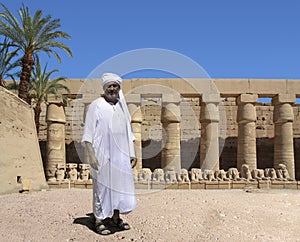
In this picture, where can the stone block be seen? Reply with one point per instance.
(293, 86)
(238, 184)
(264, 184)
(247, 98)
(232, 86)
(171, 98)
(290, 185)
(197, 185)
(89, 184)
(284, 98)
(267, 86)
(211, 98)
(133, 98)
(224, 185)
(79, 184)
(26, 184)
(211, 185)
(53, 184)
(277, 184)
(158, 185)
(298, 185)
(184, 185)
(142, 186)
(251, 184)
(172, 185)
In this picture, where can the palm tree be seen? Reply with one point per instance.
(40, 86)
(32, 35)
(6, 61)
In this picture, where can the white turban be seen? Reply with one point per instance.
(110, 77)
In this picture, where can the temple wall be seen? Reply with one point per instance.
(21, 165)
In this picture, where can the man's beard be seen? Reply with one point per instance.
(112, 96)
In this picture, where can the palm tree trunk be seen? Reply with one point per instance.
(2, 83)
(27, 64)
(37, 112)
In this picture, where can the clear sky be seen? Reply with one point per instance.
(229, 39)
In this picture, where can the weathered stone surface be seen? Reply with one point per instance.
(56, 151)
(283, 140)
(153, 94)
(20, 158)
(209, 143)
(246, 119)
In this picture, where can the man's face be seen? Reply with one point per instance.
(111, 91)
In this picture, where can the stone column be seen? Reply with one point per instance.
(283, 118)
(170, 119)
(85, 152)
(209, 142)
(134, 107)
(246, 119)
(56, 151)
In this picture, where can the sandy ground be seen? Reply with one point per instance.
(166, 215)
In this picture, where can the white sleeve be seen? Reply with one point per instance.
(90, 124)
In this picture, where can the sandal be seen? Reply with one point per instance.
(120, 224)
(101, 228)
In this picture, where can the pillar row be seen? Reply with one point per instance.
(283, 118)
(134, 107)
(246, 119)
(170, 119)
(209, 143)
(56, 119)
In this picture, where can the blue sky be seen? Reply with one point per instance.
(229, 39)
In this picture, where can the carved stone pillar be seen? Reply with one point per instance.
(85, 152)
(134, 107)
(246, 118)
(170, 119)
(56, 152)
(283, 118)
(209, 143)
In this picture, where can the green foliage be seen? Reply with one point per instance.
(7, 63)
(33, 34)
(40, 85)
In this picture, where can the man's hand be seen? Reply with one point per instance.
(93, 162)
(133, 162)
(91, 155)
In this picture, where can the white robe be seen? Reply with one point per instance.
(108, 128)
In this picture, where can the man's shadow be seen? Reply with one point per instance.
(89, 221)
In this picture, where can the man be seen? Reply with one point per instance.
(109, 140)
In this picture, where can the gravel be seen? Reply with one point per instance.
(162, 215)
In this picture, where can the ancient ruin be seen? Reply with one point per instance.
(216, 135)
(180, 133)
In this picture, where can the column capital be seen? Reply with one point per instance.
(245, 98)
(209, 112)
(55, 113)
(283, 98)
(135, 112)
(170, 113)
(55, 100)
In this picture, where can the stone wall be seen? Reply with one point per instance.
(21, 165)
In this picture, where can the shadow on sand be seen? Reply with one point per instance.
(89, 221)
